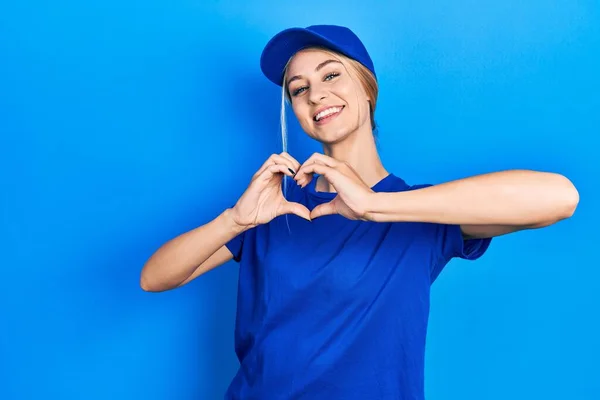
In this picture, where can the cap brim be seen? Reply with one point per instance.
(283, 46)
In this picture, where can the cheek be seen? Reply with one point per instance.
(357, 101)
(301, 112)
(349, 95)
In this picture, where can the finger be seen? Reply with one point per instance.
(272, 170)
(325, 159)
(303, 176)
(320, 159)
(276, 159)
(280, 159)
(297, 209)
(299, 174)
(268, 162)
(323, 209)
(263, 167)
(328, 172)
(295, 163)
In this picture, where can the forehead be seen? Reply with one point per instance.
(306, 60)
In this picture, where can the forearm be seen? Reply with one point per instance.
(177, 259)
(515, 197)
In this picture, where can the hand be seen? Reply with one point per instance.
(263, 199)
(353, 194)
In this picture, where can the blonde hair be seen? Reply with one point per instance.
(365, 78)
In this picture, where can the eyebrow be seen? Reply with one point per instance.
(324, 63)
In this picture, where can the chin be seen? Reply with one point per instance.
(329, 135)
(336, 136)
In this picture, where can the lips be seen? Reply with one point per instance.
(331, 112)
(327, 118)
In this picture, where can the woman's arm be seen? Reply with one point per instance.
(190, 254)
(193, 253)
(484, 205)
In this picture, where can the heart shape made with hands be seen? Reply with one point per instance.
(353, 195)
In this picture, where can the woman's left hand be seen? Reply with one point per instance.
(353, 194)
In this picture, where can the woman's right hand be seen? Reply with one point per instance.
(263, 199)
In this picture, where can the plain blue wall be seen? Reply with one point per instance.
(124, 123)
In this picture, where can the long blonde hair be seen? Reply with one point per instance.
(365, 78)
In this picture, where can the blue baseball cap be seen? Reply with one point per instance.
(288, 42)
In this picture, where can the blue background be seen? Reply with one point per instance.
(125, 123)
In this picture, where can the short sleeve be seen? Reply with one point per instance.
(449, 243)
(453, 245)
(235, 246)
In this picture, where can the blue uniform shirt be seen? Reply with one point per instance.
(335, 308)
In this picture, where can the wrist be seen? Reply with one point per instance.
(232, 224)
(372, 207)
(377, 211)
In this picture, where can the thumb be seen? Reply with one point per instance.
(297, 209)
(323, 209)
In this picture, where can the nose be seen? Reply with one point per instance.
(316, 95)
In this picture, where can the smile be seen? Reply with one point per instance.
(327, 114)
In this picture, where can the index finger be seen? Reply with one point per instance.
(323, 159)
(292, 160)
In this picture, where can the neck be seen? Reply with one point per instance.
(359, 150)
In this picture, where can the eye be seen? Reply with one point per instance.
(328, 77)
(298, 91)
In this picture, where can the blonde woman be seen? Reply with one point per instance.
(336, 265)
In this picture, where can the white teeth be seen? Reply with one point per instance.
(327, 112)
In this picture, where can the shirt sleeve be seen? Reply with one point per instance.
(453, 245)
(236, 245)
(449, 243)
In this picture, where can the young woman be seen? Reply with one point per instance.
(336, 269)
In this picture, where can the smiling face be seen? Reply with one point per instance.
(326, 95)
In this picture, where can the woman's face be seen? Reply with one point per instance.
(328, 102)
